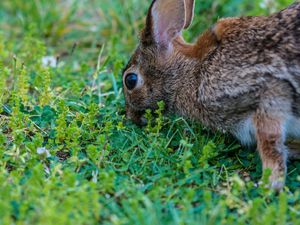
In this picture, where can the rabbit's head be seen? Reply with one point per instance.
(147, 78)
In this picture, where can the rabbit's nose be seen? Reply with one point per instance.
(144, 121)
(139, 120)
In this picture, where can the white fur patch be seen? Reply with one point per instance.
(292, 127)
(245, 132)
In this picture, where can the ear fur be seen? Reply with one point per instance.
(168, 18)
(189, 12)
(165, 21)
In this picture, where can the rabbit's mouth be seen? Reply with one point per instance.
(136, 116)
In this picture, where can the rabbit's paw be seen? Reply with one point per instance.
(277, 185)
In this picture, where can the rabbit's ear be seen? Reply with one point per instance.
(189, 12)
(165, 21)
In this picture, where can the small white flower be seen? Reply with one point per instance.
(50, 61)
(93, 28)
(43, 150)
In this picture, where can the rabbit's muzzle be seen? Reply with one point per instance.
(136, 116)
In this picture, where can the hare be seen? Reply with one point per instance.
(241, 76)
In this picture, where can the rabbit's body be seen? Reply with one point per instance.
(242, 76)
(253, 58)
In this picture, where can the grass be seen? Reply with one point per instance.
(69, 156)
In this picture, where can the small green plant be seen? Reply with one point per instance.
(22, 86)
(156, 125)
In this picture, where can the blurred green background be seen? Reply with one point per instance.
(69, 156)
(115, 23)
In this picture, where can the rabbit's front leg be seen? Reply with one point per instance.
(270, 142)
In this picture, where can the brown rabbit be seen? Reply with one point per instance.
(241, 76)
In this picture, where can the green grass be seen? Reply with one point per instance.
(69, 156)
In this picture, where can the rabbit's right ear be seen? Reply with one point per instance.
(165, 21)
(189, 12)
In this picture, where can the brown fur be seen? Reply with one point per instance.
(225, 27)
(204, 45)
(242, 76)
(270, 143)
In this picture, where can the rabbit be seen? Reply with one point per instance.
(241, 76)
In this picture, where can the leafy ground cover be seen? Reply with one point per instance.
(69, 156)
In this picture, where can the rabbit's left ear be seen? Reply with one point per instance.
(166, 19)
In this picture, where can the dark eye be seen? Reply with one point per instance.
(131, 81)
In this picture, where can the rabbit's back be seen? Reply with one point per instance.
(264, 44)
(278, 33)
(255, 57)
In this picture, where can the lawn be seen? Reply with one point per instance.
(68, 155)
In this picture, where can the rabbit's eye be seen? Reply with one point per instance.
(131, 81)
